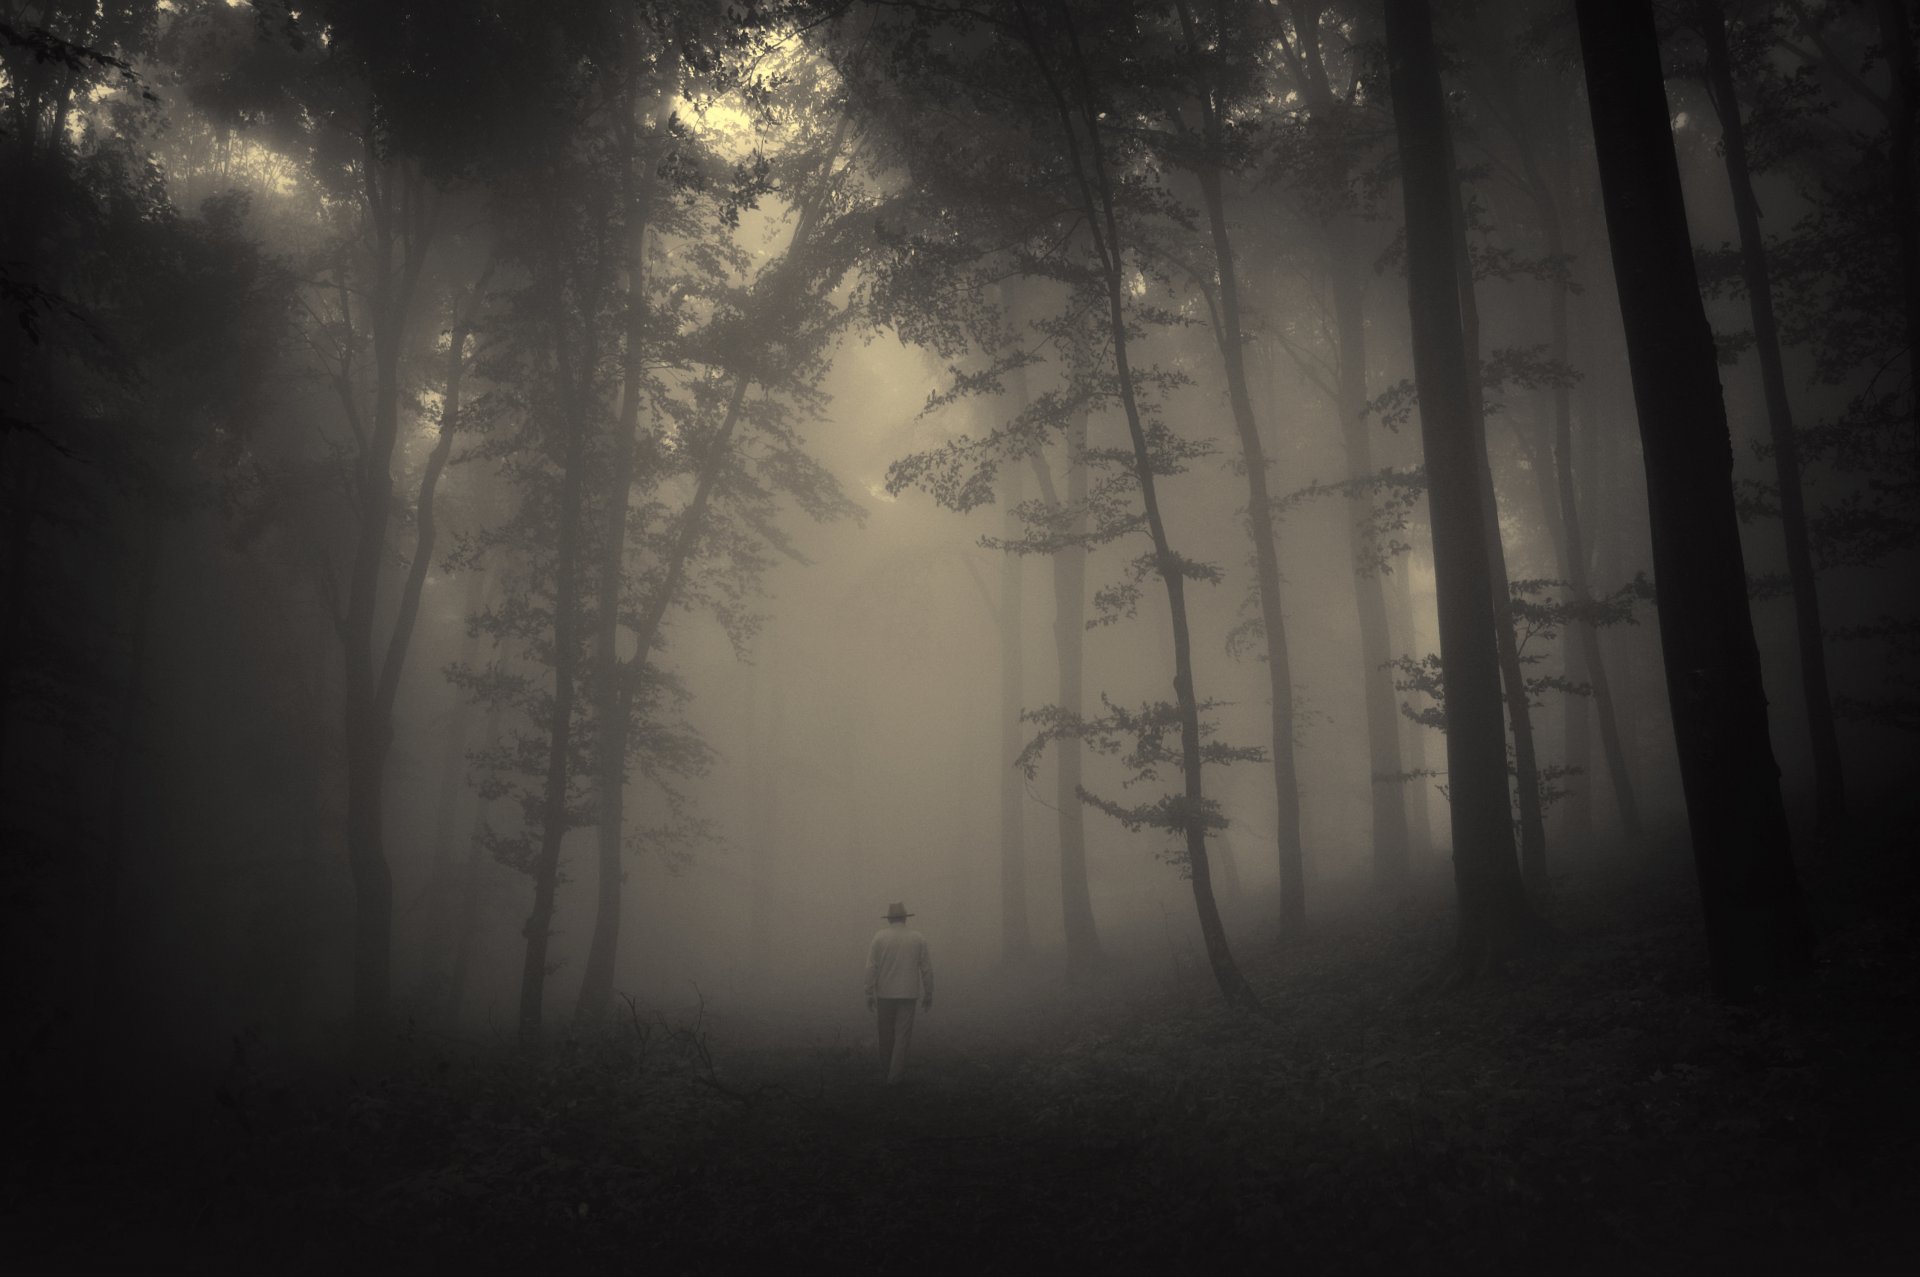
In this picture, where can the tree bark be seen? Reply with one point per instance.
(1830, 792)
(1757, 933)
(1493, 909)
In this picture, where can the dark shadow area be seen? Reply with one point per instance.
(1590, 1112)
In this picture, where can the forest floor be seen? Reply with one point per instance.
(1590, 1110)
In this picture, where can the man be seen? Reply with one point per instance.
(898, 972)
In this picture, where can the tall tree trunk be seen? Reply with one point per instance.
(1069, 647)
(1527, 122)
(402, 216)
(611, 718)
(1494, 914)
(1088, 172)
(1830, 793)
(1526, 759)
(575, 408)
(1390, 798)
(453, 752)
(1016, 942)
(1590, 664)
(1346, 276)
(1266, 557)
(624, 680)
(1573, 561)
(1756, 924)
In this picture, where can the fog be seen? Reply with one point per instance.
(530, 529)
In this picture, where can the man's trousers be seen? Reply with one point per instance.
(896, 1032)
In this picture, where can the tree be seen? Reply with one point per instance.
(1830, 803)
(773, 334)
(1213, 85)
(1016, 942)
(1065, 177)
(1326, 164)
(1494, 914)
(1526, 763)
(1069, 647)
(1533, 113)
(1756, 925)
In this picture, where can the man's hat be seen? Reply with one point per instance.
(897, 912)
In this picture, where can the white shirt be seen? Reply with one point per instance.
(898, 965)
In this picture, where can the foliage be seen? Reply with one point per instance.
(1139, 738)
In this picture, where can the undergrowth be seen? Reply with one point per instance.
(1591, 1110)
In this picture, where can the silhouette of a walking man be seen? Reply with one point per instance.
(899, 972)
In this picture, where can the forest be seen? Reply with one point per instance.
(1341, 575)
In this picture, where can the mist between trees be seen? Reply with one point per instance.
(513, 506)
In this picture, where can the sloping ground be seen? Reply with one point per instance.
(1591, 1111)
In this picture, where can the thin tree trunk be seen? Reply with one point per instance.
(403, 223)
(612, 721)
(1591, 664)
(1757, 932)
(1525, 122)
(1494, 914)
(1266, 558)
(1069, 647)
(576, 405)
(1526, 761)
(1096, 201)
(1016, 942)
(1390, 799)
(624, 679)
(1830, 793)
